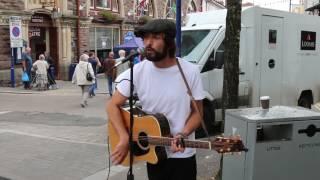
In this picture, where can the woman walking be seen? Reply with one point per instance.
(80, 77)
(41, 66)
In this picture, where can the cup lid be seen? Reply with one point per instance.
(265, 98)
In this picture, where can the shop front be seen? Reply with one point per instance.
(43, 38)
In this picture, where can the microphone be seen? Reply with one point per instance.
(130, 56)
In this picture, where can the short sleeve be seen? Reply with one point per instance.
(197, 87)
(122, 83)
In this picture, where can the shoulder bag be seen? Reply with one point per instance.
(88, 76)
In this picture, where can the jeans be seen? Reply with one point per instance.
(92, 88)
(110, 84)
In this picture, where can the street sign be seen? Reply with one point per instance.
(15, 32)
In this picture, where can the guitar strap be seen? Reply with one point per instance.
(193, 101)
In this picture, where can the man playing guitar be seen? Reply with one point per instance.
(161, 89)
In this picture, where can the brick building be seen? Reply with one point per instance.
(66, 28)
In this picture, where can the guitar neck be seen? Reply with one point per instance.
(165, 141)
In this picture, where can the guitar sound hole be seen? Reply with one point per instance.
(143, 141)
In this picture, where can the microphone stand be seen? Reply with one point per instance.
(130, 175)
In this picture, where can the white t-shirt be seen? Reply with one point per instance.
(162, 90)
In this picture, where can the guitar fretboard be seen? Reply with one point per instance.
(165, 141)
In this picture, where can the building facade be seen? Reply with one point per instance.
(67, 28)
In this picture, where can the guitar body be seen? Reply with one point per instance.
(147, 125)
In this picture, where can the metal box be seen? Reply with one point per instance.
(283, 143)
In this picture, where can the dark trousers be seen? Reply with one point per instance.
(173, 169)
(26, 84)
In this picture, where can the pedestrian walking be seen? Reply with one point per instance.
(95, 62)
(26, 66)
(51, 77)
(110, 71)
(122, 67)
(41, 68)
(80, 77)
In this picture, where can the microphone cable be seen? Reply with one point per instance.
(108, 160)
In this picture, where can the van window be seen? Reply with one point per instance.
(219, 57)
(215, 60)
(190, 39)
(195, 42)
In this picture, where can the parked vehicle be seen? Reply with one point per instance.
(279, 57)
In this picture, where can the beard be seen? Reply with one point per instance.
(157, 56)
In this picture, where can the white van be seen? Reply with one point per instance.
(279, 57)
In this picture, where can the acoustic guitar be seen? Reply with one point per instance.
(151, 133)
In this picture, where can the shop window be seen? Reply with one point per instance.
(102, 40)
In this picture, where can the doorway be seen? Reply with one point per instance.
(43, 38)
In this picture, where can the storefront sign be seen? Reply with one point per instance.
(15, 32)
(37, 19)
(34, 32)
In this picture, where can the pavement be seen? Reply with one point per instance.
(47, 135)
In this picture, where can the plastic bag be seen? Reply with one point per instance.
(25, 77)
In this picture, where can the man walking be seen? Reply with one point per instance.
(110, 71)
(26, 66)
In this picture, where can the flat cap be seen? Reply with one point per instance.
(165, 26)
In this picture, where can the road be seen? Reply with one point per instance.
(47, 135)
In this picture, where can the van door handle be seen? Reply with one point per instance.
(242, 73)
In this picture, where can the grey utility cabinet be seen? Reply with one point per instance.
(283, 143)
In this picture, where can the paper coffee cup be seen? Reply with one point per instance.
(265, 101)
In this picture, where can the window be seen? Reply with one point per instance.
(105, 4)
(91, 3)
(201, 39)
(103, 39)
(144, 8)
(272, 36)
(115, 5)
(150, 8)
(171, 9)
(192, 7)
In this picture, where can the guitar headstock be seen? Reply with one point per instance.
(228, 144)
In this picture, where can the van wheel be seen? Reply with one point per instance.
(305, 102)
(208, 118)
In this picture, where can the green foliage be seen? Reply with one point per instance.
(107, 15)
